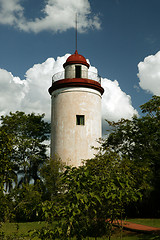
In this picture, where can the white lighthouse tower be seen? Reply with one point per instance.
(76, 111)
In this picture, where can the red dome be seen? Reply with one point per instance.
(76, 59)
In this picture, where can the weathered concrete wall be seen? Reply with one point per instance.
(70, 141)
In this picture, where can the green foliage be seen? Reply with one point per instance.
(92, 196)
(27, 203)
(50, 174)
(23, 136)
(6, 207)
(7, 166)
(152, 107)
(139, 140)
(7, 176)
(22, 154)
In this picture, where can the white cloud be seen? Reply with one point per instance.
(149, 74)
(59, 15)
(38, 79)
(12, 92)
(116, 104)
(10, 11)
(31, 94)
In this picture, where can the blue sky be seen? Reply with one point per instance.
(115, 35)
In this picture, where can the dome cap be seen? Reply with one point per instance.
(76, 59)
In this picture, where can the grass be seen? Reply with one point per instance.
(126, 235)
(148, 222)
(21, 229)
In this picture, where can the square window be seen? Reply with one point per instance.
(80, 120)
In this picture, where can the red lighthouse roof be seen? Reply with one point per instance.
(76, 59)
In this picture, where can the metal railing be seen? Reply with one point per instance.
(91, 75)
(58, 76)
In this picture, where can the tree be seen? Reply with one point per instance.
(50, 174)
(27, 149)
(27, 203)
(8, 175)
(92, 197)
(6, 207)
(139, 140)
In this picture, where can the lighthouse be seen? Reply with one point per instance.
(75, 111)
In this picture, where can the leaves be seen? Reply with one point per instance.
(26, 202)
(152, 106)
(50, 174)
(90, 194)
(22, 139)
(22, 153)
(139, 140)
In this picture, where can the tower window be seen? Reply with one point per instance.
(78, 71)
(80, 120)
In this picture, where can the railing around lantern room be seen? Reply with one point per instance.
(91, 75)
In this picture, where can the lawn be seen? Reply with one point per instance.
(21, 229)
(148, 222)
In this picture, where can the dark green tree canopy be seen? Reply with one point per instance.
(92, 196)
(139, 140)
(26, 149)
(26, 125)
(152, 107)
